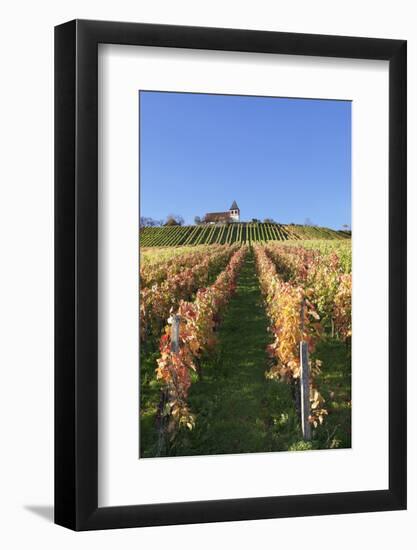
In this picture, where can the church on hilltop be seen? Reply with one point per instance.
(232, 215)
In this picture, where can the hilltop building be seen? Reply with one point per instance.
(232, 215)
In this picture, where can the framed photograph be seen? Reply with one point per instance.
(230, 252)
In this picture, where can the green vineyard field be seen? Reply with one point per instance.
(232, 233)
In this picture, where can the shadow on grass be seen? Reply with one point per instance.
(334, 383)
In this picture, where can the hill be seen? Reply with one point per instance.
(233, 232)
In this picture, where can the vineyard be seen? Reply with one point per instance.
(168, 236)
(221, 329)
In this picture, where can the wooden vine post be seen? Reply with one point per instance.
(304, 382)
(175, 333)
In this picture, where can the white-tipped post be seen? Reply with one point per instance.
(175, 333)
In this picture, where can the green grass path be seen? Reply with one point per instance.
(238, 409)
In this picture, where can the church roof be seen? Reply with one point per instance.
(216, 216)
(234, 206)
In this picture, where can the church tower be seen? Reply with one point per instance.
(234, 212)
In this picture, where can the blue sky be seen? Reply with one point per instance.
(286, 159)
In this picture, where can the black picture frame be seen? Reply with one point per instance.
(76, 272)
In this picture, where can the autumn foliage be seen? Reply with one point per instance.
(324, 278)
(180, 283)
(293, 319)
(307, 293)
(197, 336)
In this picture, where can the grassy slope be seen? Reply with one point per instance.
(238, 410)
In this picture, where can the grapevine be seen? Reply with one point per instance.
(283, 302)
(198, 322)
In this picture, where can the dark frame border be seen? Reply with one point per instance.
(76, 270)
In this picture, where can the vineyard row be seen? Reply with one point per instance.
(167, 236)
